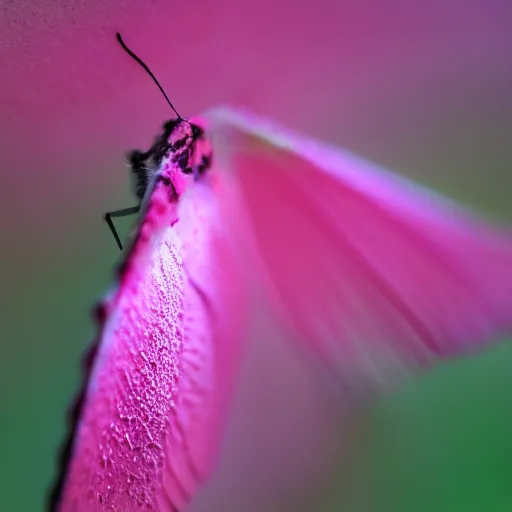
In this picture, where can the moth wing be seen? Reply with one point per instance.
(148, 425)
(378, 276)
(214, 320)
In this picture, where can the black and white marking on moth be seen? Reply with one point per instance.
(182, 143)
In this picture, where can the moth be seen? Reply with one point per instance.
(378, 278)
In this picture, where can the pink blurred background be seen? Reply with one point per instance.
(422, 87)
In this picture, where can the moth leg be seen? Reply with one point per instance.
(119, 213)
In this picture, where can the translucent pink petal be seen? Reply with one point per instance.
(377, 276)
(154, 406)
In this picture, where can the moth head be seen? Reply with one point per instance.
(181, 144)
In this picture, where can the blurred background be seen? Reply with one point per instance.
(420, 87)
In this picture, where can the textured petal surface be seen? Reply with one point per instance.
(153, 407)
(377, 275)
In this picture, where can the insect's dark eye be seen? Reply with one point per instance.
(183, 161)
(136, 157)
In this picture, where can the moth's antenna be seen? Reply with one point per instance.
(148, 71)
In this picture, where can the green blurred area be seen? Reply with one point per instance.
(440, 444)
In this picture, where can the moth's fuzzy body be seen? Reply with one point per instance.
(182, 143)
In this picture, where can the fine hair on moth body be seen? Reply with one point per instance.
(177, 143)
